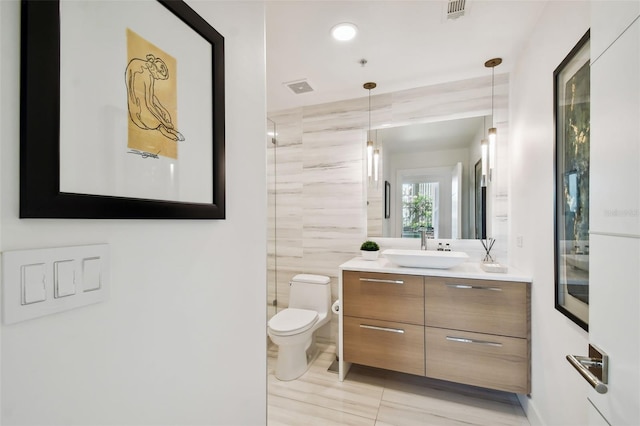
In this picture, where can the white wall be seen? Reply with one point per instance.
(558, 394)
(182, 338)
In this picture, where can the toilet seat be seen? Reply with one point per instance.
(292, 321)
(312, 279)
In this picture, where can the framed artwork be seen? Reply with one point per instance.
(122, 111)
(572, 122)
(480, 202)
(387, 199)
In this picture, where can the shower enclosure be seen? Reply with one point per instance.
(272, 271)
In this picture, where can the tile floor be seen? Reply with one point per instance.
(371, 396)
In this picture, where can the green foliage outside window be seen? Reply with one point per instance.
(419, 212)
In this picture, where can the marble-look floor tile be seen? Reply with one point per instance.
(419, 400)
(400, 415)
(435, 411)
(371, 396)
(284, 411)
(427, 386)
(322, 388)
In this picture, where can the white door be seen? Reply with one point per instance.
(614, 288)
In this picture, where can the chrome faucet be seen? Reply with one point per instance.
(423, 239)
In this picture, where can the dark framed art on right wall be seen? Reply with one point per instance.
(571, 88)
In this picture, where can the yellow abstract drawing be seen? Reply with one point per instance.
(152, 99)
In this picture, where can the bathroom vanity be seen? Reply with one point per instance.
(460, 324)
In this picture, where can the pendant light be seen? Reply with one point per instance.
(484, 156)
(376, 161)
(493, 132)
(370, 151)
(484, 148)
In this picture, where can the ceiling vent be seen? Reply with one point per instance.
(455, 8)
(300, 86)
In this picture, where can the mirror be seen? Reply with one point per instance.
(428, 177)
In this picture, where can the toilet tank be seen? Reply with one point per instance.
(310, 292)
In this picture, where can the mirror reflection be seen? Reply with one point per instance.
(427, 179)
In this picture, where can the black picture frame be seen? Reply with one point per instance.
(571, 94)
(480, 203)
(40, 112)
(387, 199)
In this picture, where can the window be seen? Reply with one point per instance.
(419, 209)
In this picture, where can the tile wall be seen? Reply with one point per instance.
(317, 202)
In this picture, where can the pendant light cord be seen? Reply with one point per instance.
(493, 63)
(369, 134)
(493, 69)
(369, 85)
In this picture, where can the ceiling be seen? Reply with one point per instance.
(440, 135)
(406, 44)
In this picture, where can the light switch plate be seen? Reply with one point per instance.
(47, 281)
(33, 283)
(64, 278)
(91, 273)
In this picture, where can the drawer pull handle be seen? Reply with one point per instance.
(375, 280)
(473, 287)
(390, 330)
(477, 342)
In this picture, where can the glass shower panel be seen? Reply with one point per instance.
(272, 274)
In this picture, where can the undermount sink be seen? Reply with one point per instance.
(425, 259)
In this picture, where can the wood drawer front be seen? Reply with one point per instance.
(495, 307)
(389, 297)
(380, 344)
(489, 361)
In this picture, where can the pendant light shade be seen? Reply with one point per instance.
(493, 135)
(373, 155)
(376, 161)
(484, 148)
(369, 158)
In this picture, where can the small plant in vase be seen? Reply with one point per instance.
(369, 250)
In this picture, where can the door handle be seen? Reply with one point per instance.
(593, 368)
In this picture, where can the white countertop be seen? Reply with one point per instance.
(470, 270)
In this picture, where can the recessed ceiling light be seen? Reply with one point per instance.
(344, 31)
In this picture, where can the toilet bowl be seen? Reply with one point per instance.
(293, 329)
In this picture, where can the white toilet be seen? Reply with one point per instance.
(293, 329)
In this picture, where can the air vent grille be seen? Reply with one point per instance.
(455, 8)
(300, 86)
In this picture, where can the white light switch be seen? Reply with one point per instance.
(39, 282)
(91, 276)
(33, 283)
(64, 278)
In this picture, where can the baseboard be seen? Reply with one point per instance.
(532, 413)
